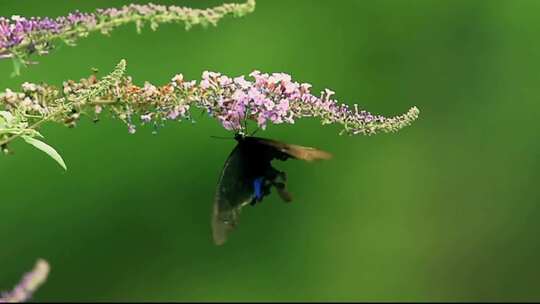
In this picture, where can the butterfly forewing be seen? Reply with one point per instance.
(295, 151)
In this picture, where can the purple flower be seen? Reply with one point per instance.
(146, 118)
(28, 285)
(22, 36)
(132, 129)
(178, 111)
(224, 81)
(242, 83)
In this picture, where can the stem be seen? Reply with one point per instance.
(102, 102)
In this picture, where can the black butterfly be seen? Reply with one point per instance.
(248, 176)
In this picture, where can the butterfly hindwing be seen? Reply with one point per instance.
(232, 193)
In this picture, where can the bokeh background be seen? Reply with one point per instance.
(444, 210)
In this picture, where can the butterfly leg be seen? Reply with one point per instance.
(281, 186)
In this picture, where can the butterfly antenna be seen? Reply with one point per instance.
(218, 137)
(256, 130)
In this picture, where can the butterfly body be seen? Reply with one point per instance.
(248, 176)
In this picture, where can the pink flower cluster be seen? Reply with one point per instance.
(233, 101)
(277, 99)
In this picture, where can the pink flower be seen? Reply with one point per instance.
(146, 118)
(242, 83)
(132, 129)
(178, 80)
(257, 97)
(240, 95)
(149, 90)
(283, 106)
(224, 81)
(206, 84)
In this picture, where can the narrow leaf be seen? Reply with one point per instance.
(47, 149)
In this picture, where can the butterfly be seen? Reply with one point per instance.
(248, 176)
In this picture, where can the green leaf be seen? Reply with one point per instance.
(47, 149)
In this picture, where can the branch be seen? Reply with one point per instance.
(264, 99)
(21, 37)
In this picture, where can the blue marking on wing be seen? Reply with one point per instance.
(257, 185)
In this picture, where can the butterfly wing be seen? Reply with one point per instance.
(233, 192)
(284, 150)
(248, 165)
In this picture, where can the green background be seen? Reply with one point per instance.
(446, 209)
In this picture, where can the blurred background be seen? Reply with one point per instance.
(445, 210)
